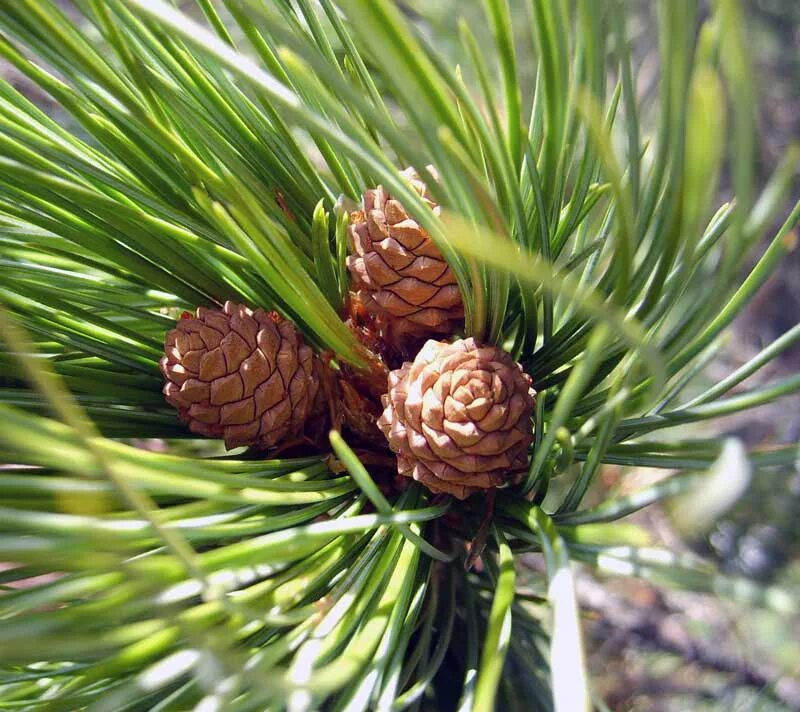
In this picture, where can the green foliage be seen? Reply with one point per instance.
(215, 158)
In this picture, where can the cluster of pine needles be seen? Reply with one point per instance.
(189, 157)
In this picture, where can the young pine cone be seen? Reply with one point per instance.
(239, 374)
(398, 272)
(459, 417)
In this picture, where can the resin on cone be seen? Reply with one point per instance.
(240, 374)
(459, 417)
(398, 272)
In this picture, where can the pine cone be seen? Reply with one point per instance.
(239, 374)
(398, 272)
(459, 417)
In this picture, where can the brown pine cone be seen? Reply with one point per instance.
(459, 417)
(360, 393)
(398, 272)
(239, 374)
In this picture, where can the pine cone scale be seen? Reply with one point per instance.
(379, 271)
(393, 253)
(204, 414)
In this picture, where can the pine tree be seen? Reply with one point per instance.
(225, 192)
